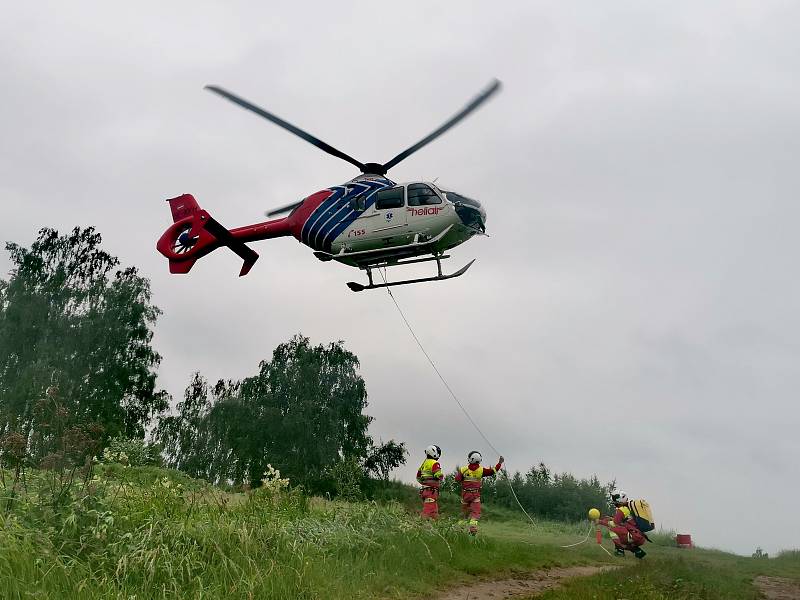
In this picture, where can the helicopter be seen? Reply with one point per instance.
(369, 222)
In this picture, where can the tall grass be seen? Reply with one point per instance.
(151, 533)
(147, 533)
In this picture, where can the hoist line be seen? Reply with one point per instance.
(453, 394)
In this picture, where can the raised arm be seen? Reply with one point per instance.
(494, 470)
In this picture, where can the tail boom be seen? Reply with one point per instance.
(195, 233)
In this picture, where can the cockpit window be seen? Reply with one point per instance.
(459, 199)
(421, 194)
(391, 198)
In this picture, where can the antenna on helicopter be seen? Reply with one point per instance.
(369, 168)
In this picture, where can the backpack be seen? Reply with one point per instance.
(640, 510)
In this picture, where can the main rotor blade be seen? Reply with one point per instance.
(475, 103)
(284, 209)
(288, 126)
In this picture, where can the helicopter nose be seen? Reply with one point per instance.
(472, 215)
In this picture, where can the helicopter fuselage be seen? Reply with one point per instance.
(367, 217)
(367, 221)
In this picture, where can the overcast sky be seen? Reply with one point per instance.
(634, 312)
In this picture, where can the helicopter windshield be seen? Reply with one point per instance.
(463, 200)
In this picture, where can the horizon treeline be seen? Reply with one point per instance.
(550, 495)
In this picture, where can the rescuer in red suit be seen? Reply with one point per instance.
(429, 476)
(470, 478)
(622, 527)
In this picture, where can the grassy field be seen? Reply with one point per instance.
(147, 533)
(683, 574)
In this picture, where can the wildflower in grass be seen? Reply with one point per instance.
(272, 481)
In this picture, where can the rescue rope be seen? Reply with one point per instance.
(453, 394)
(583, 541)
(513, 493)
(606, 551)
(586, 539)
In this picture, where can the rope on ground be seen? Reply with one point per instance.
(586, 539)
(606, 551)
(583, 541)
(453, 394)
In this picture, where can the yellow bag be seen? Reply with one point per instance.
(642, 515)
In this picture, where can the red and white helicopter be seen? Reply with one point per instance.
(369, 222)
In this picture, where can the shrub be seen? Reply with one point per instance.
(347, 476)
(131, 452)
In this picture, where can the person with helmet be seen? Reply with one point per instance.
(429, 476)
(470, 478)
(622, 527)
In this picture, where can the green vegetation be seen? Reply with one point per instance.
(669, 573)
(148, 532)
(71, 322)
(303, 412)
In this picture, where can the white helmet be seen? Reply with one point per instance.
(619, 497)
(474, 457)
(433, 451)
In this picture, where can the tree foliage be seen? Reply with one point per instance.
(302, 413)
(70, 318)
(382, 459)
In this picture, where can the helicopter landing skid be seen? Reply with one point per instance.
(357, 287)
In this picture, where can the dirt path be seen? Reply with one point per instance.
(778, 588)
(530, 584)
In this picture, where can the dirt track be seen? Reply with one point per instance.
(778, 588)
(530, 584)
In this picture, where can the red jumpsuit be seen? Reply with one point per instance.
(430, 476)
(470, 479)
(623, 530)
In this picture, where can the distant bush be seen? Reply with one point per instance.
(131, 452)
(347, 476)
(792, 556)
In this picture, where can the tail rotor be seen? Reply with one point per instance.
(195, 233)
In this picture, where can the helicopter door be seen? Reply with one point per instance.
(391, 220)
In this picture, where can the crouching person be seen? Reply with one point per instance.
(622, 527)
(430, 477)
(470, 478)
